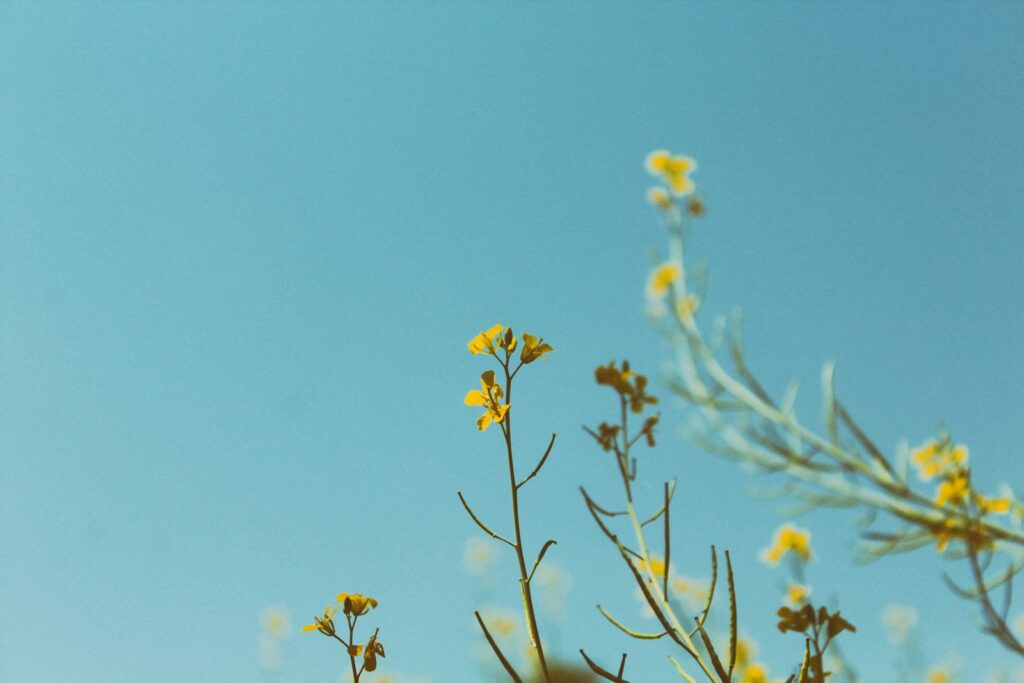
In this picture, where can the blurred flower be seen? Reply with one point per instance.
(661, 278)
(687, 306)
(954, 490)
(501, 622)
(276, 628)
(490, 398)
(788, 539)
(355, 604)
(898, 620)
(484, 342)
(275, 621)
(938, 674)
(998, 506)
(746, 649)
(659, 197)
(674, 170)
(797, 593)
(755, 673)
(478, 556)
(939, 458)
(555, 584)
(692, 591)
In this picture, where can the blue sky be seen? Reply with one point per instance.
(242, 247)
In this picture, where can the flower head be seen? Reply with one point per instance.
(939, 458)
(797, 593)
(661, 278)
(659, 197)
(356, 604)
(489, 396)
(788, 539)
(533, 348)
(324, 624)
(675, 171)
(898, 620)
(484, 342)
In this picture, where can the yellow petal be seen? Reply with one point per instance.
(474, 398)
(310, 627)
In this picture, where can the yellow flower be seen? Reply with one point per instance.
(675, 170)
(797, 593)
(659, 197)
(533, 348)
(998, 506)
(788, 539)
(657, 566)
(954, 490)
(356, 604)
(661, 278)
(937, 458)
(490, 398)
(324, 624)
(938, 674)
(745, 651)
(755, 673)
(484, 342)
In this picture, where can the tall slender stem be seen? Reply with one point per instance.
(524, 577)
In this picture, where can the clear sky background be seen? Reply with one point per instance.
(243, 246)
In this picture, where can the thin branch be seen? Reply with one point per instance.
(481, 524)
(540, 557)
(604, 673)
(497, 650)
(539, 464)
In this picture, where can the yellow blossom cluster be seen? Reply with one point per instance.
(500, 342)
(674, 172)
(353, 606)
(947, 461)
(788, 540)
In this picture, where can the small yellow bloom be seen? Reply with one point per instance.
(954, 490)
(356, 604)
(938, 674)
(533, 348)
(657, 566)
(675, 170)
(490, 398)
(659, 197)
(998, 506)
(745, 651)
(324, 624)
(797, 593)
(661, 279)
(938, 458)
(755, 673)
(788, 539)
(484, 342)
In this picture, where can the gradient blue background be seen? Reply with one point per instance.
(242, 248)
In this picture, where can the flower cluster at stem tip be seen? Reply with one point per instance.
(353, 606)
(941, 458)
(500, 342)
(674, 172)
(788, 540)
